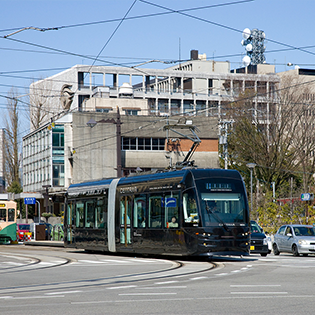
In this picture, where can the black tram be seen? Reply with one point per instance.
(199, 212)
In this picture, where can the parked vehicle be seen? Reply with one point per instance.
(7, 221)
(296, 239)
(22, 231)
(57, 232)
(259, 242)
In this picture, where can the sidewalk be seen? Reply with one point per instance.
(45, 243)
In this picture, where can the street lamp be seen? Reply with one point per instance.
(251, 166)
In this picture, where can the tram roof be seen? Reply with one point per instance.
(197, 173)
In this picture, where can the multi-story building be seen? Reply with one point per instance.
(199, 86)
(64, 149)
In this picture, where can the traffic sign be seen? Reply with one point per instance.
(307, 197)
(30, 200)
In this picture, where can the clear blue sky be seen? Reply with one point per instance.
(148, 32)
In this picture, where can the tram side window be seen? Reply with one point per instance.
(89, 213)
(79, 214)
(125, 216)
(139, 211)
(171, 211)
(156, 209)
(70, 214)
(11, 215)
(100, 212)
(3, 214)
(190, 207)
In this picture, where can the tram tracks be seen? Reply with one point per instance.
(24, 263)
(179, 269)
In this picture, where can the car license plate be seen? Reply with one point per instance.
(252, 248)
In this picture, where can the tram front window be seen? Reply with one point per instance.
(11, 215)
(222, 208)
(191, 215)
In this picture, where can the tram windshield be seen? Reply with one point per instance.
(222, 208)
(216, 201)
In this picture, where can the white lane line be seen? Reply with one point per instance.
(65, 292)
(169, 287)
(122, 287)
(116, 261)
(13, 263)
(166, 282)
(6, 297)
(253, 285)
(198, 278)
(143, 260)
(254, 293)
(221, 274)
(157, 293)
(38, 297)
(91, 262)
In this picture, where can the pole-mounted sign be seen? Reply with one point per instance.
(307, 197)
(30, 201)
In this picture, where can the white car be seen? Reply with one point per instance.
(294, 238)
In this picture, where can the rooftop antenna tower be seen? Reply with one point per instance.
(254, 42)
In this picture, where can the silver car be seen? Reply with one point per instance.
(296, 239)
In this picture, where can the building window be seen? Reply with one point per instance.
(131, 112)
(58, 156)
(143, 144)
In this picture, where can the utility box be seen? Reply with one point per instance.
(40, 232)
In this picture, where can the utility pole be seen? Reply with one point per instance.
(118, 138)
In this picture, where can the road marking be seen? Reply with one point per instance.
(157, 293)
(170, 287)
(166, 282)
(253, 285)
(122, 287)
(65, 292)
(116, 261)
(254, 293)
(13, 263)
(198, 278)
(91, 262)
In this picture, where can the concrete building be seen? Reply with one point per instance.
(65, 150)
(71, 151)
(199, 86)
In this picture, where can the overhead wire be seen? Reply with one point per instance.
(173, 11)
(221, 25)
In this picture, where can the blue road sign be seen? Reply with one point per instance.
(305, 197)
(170, 202)
(30, 200)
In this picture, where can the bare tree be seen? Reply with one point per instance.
(297, 95)
(276, 137)
(39, 103)
(11, 150)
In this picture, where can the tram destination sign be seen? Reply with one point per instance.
(30, 201)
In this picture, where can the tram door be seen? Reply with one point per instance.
(70, 222)
(125, 220)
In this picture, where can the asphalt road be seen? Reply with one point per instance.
(45, 280)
